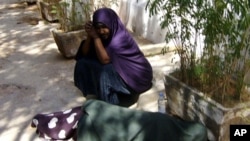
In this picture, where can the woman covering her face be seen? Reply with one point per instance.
(111, 66)
(109, 63)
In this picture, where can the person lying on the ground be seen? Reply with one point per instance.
(109, 63)
(100, 121)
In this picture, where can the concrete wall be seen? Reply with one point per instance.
(134, 15)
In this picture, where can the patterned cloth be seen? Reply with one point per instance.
(100, 121)
(58, 125)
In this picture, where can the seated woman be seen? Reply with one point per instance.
(109, 63)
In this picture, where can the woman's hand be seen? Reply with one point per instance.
(89, 28)
(102, 55)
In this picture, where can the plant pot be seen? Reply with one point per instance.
(45, 11)
(190, 104)
(68, 42)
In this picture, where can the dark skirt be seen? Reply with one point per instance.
(102, 80)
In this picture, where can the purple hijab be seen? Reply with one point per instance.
(124, 52)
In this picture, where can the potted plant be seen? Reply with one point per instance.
(212, 41)
(72, 15)
(45, 8)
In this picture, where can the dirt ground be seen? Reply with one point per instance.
(34, 77)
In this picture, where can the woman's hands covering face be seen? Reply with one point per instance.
(89, 28)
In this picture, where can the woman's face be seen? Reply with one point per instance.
(102, 30)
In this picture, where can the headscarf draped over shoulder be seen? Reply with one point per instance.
(124, 52)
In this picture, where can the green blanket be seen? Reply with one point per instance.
(106, 122)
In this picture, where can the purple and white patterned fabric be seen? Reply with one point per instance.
(57, 125)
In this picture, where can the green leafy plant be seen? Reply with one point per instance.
(72, 14)
(212, 41)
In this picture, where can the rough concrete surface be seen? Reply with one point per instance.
(35, 78)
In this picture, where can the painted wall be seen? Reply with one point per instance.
(134, 15)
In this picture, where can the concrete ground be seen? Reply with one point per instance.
(35, 78)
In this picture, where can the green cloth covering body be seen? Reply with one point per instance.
(105, 122)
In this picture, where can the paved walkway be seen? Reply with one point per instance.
(35, 78)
